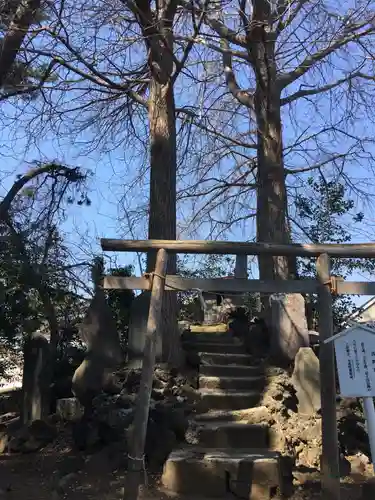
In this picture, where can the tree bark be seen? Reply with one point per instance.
(163, 159)
(272, 226)
(14, 37)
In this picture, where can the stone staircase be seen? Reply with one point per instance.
(224, 456)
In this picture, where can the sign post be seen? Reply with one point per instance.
(368, 405)
(355, 357)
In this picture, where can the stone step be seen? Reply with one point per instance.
(223, 416)
(251, 474)
(221, 337)
(225, 359)
(232, 383)
(214, 347)
(229, 435)
(219, 370)
(215, 399)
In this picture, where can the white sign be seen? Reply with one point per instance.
(355, 357)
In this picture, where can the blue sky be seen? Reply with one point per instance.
(116, 168)
(105, 187)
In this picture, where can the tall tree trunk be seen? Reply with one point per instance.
(163, 158)
(272, 198)
(15, 34)
(272, 226)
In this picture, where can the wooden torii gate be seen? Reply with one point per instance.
(325, 286)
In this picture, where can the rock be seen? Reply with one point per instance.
(98, 331)
(32, 437)
(106, 410)
(306, 380)
(125, 400)
(138, 328)
(66, 481)
(259, 415)
(4, 438)
(159, 384)
(280, 395)
(36, 352)
(309, 455)
(359, 463)
(163, 374)
(69, 409)
(313, 431)
(111, 384)
(131, 382)
(190, 394)
(288, 325)
(158, 394)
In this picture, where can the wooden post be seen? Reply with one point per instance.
(240, 272)
(136, 456)
(330, 448)
(241, 267)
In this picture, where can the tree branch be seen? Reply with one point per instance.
(317, 166)
(286, 79)
(242, 97)
(291, 15)
(213, 131)
(319, 90)
(51, 168)
(219, 27)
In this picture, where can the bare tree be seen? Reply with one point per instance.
(249, 84)
(274, 56)
(121, 78)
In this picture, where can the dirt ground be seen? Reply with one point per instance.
(60, 473)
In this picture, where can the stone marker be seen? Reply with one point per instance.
(137, 330)
(288, 324)
(306, 380)
(99, 332)
(212, 308)
(35, 386)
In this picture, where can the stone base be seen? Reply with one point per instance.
(69, 409)
(247, 473)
